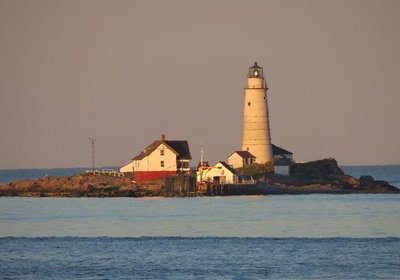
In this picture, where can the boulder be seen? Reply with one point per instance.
(349, 182)
(326, 169)
(366, 181)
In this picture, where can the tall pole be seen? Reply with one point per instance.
(201, 168)
(201, 154)
(92, 142)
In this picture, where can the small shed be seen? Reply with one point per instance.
(240, 159)
(280, 153)
(220, 173)
(282, 166)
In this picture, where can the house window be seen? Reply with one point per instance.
(161, 152)
(162, 163)
(248, 104)
(180, 165)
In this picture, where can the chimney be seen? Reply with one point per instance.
(163, 137)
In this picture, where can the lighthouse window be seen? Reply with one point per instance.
(248, 104)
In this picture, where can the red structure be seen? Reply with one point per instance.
(140, 176)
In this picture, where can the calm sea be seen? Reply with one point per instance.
(249, 237)
(390, 173)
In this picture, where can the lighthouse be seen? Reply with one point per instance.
(256, 129)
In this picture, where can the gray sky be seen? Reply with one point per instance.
(128, 71)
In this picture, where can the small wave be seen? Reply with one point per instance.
(200, 238)
(395, 183)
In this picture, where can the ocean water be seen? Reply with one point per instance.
(199, 258)
(251, 237)
(317, 236)
(10, 175)
(390, 173)
(311, 216)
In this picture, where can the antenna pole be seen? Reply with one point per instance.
(201, 154)
(92, 142)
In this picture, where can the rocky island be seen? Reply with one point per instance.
(321, 176)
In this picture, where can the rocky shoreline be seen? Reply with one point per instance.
(81, 185)
(323, 176)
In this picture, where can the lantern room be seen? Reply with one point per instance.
(256, 71)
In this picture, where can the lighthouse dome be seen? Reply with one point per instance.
(256, 71)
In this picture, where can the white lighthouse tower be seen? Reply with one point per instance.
(256, 130)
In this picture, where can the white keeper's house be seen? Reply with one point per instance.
(161, 158)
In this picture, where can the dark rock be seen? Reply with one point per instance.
(110, 188)
(366, 181)
(326, 169)
(90, 188)
(325, 176)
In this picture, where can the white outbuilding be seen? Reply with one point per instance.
(240, 159)
(220, 173)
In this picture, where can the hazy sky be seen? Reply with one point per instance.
(128, 71)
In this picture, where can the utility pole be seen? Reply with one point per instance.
(92, 142)
(201, 153)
